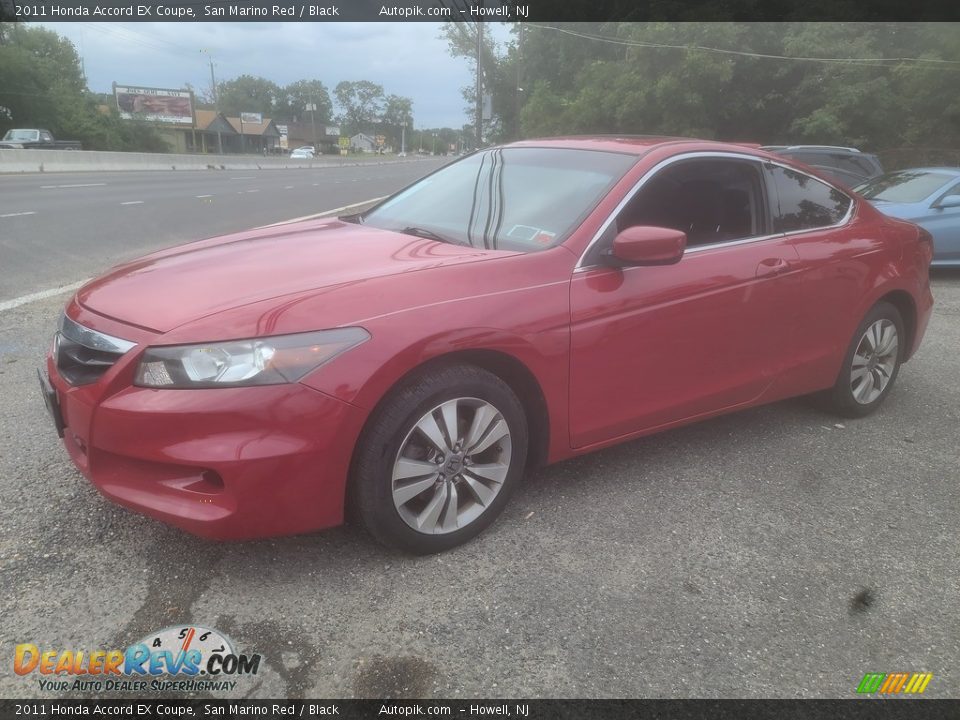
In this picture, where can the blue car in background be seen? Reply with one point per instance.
(929, 197)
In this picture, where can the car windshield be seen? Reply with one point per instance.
(21, 135)
(525, 199)
(903, 187)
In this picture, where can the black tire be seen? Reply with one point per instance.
(392, 423)
(841, 398)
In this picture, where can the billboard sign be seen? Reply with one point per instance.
(154, 104)
(251, 118)
(333, 130)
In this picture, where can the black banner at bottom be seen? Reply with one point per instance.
(866, 709)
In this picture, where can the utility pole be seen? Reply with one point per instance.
(479, 113)
(403, 139)
(311, 107)
(519, 81)
(216, 102)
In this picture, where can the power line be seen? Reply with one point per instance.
(866, 62)
(115, 32)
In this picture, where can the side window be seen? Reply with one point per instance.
(805, 203)
(712, 200)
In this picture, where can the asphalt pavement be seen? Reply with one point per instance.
(57, 228)
(775, 552)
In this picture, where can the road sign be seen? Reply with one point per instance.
(344, 142)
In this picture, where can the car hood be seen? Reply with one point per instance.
(166, 289)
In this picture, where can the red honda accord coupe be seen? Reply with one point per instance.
(523, 305)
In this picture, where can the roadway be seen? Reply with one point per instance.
(56, 229)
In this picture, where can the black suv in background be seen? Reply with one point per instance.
(845, 165)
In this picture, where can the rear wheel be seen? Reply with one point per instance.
(440, 459)
(871, 364)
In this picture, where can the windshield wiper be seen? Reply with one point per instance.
(430, 235)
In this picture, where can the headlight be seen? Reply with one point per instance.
(262, 361)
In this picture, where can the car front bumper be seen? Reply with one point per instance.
(227, 464)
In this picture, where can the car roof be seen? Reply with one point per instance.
(944, 169)
(632, 144)
(812, 148)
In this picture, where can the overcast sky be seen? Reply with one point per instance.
(407, 58)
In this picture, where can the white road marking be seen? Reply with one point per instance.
(335, 211)
(289, 187)
(245, 177)
(133, 202)
(204, 196)
(76, 185)
(42, 295)
(250, 191)
(19, 214)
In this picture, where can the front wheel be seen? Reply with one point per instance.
(871, 364)
(440, 459)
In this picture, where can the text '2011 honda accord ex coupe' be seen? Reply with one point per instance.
(520, 306)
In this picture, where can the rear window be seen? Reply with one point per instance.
(806, 203)
(20, 135)
(904, 187)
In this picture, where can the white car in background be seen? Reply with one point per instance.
(303, 153)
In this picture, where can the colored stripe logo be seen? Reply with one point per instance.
(894, 683)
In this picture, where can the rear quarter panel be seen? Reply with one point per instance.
(847, 270)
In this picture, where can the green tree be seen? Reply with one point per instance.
(398, 111)
(41, 74)
(295, 97)
(42, 85)
(756, 82)
(248, 93)
(361, 103)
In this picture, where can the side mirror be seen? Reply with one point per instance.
(646, 245)
(950, 201)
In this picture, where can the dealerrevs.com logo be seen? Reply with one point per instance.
(186, 659)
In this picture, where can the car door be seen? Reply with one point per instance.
(651, 346)
(837, 259)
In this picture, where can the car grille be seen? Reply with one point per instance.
(83, 355)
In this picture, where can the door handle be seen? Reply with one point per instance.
(769, 267)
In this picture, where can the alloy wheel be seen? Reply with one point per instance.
(451, 465)
(874, 361)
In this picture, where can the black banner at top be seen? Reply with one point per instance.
(476, 10)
